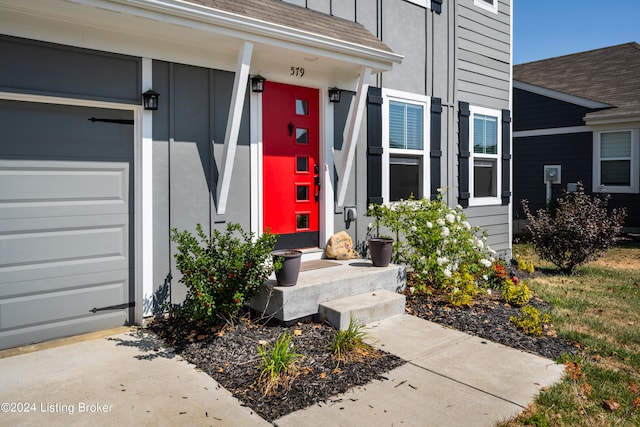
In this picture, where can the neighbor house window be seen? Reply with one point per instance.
(490, 5)
(405, 138)
(616, 161)
(485, 142)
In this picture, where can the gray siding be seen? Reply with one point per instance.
(541, 112)
(462, 54)
(404, 30)
(572, 151)
(484, 47)
(483, 70)
(56, 70)
(193, 112)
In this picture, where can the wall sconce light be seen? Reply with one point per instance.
(150, 100)
(334, 94)
(257, 83)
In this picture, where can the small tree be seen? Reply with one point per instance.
(575, 229)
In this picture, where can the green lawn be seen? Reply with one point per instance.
(598, 308)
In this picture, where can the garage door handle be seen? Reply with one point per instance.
(114, 307)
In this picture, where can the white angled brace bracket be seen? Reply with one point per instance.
(350, 135)
(233, 125)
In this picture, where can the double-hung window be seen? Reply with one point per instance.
(616, 161)
(405, 157)
(485, 151)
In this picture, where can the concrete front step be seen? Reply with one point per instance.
(364, 308)
(333, 280)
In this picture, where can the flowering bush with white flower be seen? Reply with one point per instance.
(437, 241)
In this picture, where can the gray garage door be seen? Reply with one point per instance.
(66, 216)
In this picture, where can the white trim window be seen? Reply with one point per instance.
(485, 149)
(490, 5)
(405, 130)
(616, 161)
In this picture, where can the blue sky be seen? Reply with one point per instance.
(560, 27)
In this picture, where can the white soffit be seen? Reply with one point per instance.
(242, 28)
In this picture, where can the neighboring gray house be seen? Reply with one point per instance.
(579, 114)
(91, 182)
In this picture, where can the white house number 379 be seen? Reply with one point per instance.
(297, 71)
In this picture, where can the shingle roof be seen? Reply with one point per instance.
(300, 18)
(609, 75)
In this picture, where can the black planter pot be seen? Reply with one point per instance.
(380, 249)
(288, 274)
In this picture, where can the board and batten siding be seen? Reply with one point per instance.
(192, 113)
(461, 54)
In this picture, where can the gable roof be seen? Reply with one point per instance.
(609, 75)
(292, 16)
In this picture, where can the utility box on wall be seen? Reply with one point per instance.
(552, 174)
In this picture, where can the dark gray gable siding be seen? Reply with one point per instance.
(571, 151)
(50, 69)
(533, 111)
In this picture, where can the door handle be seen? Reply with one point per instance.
(316, 182)
(290, 126)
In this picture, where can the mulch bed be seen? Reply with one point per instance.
(489, 318)
(229, 354)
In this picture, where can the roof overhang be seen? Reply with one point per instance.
(181, 31)
(613, 116)
(560, 96)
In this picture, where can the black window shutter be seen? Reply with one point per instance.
(436, 6)
(463, 154)
(374, 146)
(435, 145)
(506, 157)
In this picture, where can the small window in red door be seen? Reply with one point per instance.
(302, 164)
(302, 107)
(302, 136)
(302, 220)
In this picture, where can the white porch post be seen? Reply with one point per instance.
(351, 131)
(233, 125)
(144, 227)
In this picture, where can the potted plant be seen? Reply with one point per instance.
(380, 247)
(287, 262)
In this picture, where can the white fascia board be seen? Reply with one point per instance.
(233, 125)
(560, 96)
(551, 131)
(213, 20)
(627, 119)
(354, 119)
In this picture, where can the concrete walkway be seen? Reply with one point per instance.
(451, 379)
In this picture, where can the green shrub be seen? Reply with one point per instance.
(515, 294)
(222, 271)
(279, 364)
(434, 240)
(525, 266)
(351, 343)
(531, 322)
(575, 229)
(460, 289)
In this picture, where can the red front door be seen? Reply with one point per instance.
(291, 187)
